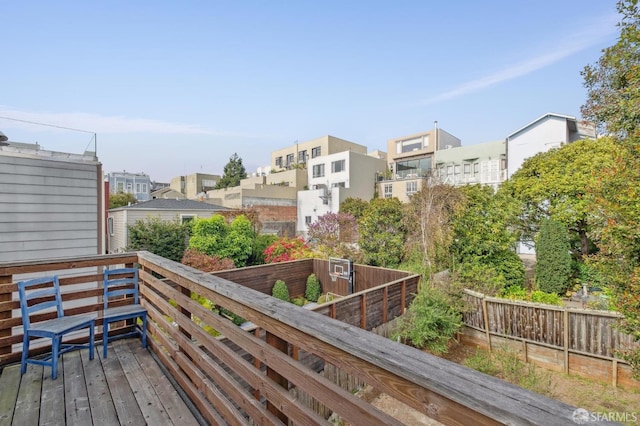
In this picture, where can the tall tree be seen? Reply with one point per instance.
(234, 172)
(613, 98)
(333, 234)
(553, 260)
(613, 85)
(382, 232)
(429, 218)
(555, 184)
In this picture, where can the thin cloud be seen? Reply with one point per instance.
(577, 42)
(100, 124)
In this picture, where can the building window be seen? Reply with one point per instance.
(316, 152)
(318, 170)
(144, 188)
(186, 218)
(388, 190)
(129, 187)
(290, 158)
(110, 225)
(467, 169)
(412, 187)
(120, 186)
(307, 220)
(337, 166)
(449, 170)
(338, 185)
(411, 145)
(476, 168)
(278, 161)
(413, 168)
(302, 157)
(456, 169)
(138, 188)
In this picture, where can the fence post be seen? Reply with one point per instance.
(5, 314)
(363, 311)
(614, 373)
(485, 317)
(565, 324)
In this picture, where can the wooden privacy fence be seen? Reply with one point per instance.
(241, 377)
(566, 339)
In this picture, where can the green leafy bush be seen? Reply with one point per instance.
(260, 244)
(546, 298)
(236, 319)
(312, 291)
(430, 322)
(204, 262)
(280, 291)
(164, 238)
(298, 301)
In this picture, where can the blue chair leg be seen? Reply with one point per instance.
(105, 338)
(55, 349)
(144, 331)
(25, 354)
(91, 341)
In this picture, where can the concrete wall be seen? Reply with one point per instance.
(50, 204)
(327, 145)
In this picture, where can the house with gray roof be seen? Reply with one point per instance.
(119, 219)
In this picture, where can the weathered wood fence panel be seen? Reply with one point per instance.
(577, 334)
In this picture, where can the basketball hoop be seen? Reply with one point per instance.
(334, 277)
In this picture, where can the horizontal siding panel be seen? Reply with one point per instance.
(45, 199)
(46, 226)
(10, 179)
(6, 237)
(15, 256)
(46, 167)
(49, 190)
(47, 217)
(48, 208)
(47, 245)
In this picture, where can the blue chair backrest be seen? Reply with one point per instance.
(114, 286)
(50, 293)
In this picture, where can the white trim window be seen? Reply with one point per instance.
(337, 166)
(412, 187)
(318, 170)
(388, 190)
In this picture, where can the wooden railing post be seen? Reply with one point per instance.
(282, 346)
(565, 337)
(5, 313)
(485, 317)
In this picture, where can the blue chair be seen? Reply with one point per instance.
(54, 329)
(118, 283)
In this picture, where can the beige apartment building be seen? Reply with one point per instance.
(297, 155)
(193, 185)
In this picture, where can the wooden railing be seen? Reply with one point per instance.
(240, 377)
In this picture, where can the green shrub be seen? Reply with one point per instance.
(280, 291)
(483, 362)
(236, 319)
(553, 258)
(164, 238)
(312, 291)
(514, 292)
(430, 322)
(298, 301)
(546, 298)
(260, 244)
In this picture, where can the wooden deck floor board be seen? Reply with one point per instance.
(10, 384)
(168, 395)
(93, 392)
(102, 407)
(52, 412)
(75, 390)
(27, 408)
(152, 409)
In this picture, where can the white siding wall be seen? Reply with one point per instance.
(48, 207)
(549, 133)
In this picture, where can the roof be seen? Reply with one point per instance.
(549, 114)
(171, 204)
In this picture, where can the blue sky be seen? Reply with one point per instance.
(173, 88)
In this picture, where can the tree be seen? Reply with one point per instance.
(613, 98)
(613, 102)
(332, 235)
(164, 238)
(233, 173)
(428, 219)
(353, 206)
(285, 249)
(214, 237)
(121, 199)
(556, 184)
(553, 260)
(483, 239)
(382, 233)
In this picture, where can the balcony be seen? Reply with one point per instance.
(275, 373)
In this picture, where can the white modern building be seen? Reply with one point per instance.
(542, 134)
(333, 178)
(483, 164)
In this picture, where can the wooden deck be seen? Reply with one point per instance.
(127, 388)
